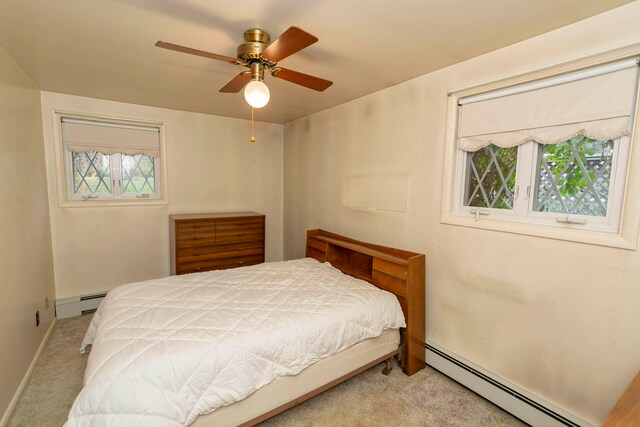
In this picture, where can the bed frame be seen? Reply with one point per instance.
(397, 271)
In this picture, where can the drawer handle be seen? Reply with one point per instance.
(196, 226)
(238, 249)
(240, 262)
(197, 238)
(196, 254)
(241, 223)
(197, 268)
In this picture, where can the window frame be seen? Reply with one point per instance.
(525, 188)
(625, 234)
(64, 168)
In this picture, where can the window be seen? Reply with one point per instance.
(552, 153)
(570, 182)
(108, 161)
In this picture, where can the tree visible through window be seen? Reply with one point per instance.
(138, 174)
(91, 173)
(491, 177)
(574, 177)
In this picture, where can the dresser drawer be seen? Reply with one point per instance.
(242, 262)
(208, 253)
(200, 266)
(195, 233)
(210, 249)
(237, 236)
(239, 223)
(195, 226)
(195, 239)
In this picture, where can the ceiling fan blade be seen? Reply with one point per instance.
(237, 83)
(315, 83)
(289, 42)
(197, 52)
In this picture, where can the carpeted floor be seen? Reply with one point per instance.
(427, 398)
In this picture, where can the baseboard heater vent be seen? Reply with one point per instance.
(529, 408)
(76, 306)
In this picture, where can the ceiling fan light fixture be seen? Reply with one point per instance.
(256, 93)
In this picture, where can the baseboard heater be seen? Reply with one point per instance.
(522, 404)
(76, 306)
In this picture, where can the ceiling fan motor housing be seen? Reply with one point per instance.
(256, 41)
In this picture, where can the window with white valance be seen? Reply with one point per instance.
(550, 152)
(110, 161)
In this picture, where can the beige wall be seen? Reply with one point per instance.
(26, 270)
(559, 319)
(211, 167)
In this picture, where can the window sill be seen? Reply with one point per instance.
(111, 203)
(570, 233)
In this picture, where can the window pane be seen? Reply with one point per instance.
(138, 174)
(491, 177)
(91, 173)
(574, 176)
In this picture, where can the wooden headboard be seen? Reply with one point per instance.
(395, 270)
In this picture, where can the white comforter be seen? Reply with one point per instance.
(165, 351)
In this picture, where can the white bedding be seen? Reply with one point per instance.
(165, 351)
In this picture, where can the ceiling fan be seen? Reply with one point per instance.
(258, 55)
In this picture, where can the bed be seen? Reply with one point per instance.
(234, 347)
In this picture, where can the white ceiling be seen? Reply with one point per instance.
(105, 48)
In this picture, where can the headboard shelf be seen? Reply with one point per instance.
(395, 270)
(352, 270)
(396, 255)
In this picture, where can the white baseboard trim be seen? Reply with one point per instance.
(14, 401)
(523, 404)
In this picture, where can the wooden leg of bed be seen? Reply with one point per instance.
(400, 356)
(387, 369)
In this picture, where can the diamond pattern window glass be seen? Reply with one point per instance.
(574, 177)
(91, 173)
(138, 174)
(491, 177)
(107, 161)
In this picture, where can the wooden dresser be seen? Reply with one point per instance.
(203, 242)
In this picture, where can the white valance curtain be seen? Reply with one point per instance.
(82, 136)
(600, 107)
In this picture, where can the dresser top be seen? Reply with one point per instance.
(213, 215)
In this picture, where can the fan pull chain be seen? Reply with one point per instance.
(253, 138)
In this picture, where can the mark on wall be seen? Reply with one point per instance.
(377, 191)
